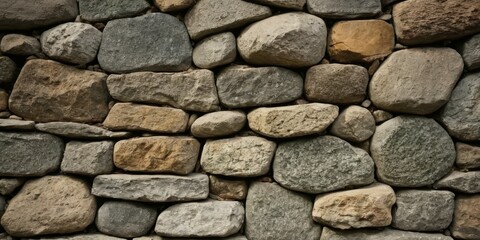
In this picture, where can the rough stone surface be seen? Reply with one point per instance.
(3, 100)
(78, 130)
(466, 218)
(16, 124)
(193, 90)
(423, 210)
(213, 16)
(273, 212)
(381, 116)
(201, 219)
(290, 4)
(240, 156)
(216, 50)
(348, 209)
(223, 188)
(152, 188)
(468, 156)
(29, 154)
(417, 81)
(18, 44)
(159, 154)
(8, 185)
(50, 205)
(87, 236)
(164, 45)
(8, 69)
(344, 9)
(173, 5)
(360, 40)
(411, 151)
(75, 42)
(297, 165)
(88, 158)
(243, 86)
(26, 15)
(390, 234)
(47, 91)
(428, 21)
(336, 83)
(461, 113)
(217, 124)
(470, 51)
(292, 121)
(95, 11)
(275, 41)
(125, 219)
(354, 124)
(466, 182)
(136, 117)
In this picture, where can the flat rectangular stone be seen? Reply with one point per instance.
(152, 188)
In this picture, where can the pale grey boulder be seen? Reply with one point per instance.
(88, 158)
(18, 44)
(97, 11)
(164, 44)
(470, 51)
(217, 124)
(344, 9)
(390, 234)
(411, 151)
(216, 50)
(465, 182)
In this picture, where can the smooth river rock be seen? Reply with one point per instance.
(217, 124)
(344, 9)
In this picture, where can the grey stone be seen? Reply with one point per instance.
(461, 113)
(79, 130)
(164, 45)
(97, 11)
(217, 124)
(275, 213)
(275, 41)
(321, 164)
(16, 124)
(152, 188)
(29, 154)
(336, 83)
(26, 15)
(423, 210)
(8, 185)
(201, 219)
(214, 16)
(470, 51)
(8, 70)
(125, 219)
(354, 124)
(88, 158)
(216, 50)
(292, 121)
(193, 90)
(344, 9)
(87, 236)
(468, 156)
(72, 42)
(17, 44)
(411, 151)
(240, 156)
(417, 80)
(243, 86)
(290, 4)
(465, 182)
(390, 234)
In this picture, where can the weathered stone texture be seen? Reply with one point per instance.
(290, 4)
(390, 234)
(97, 11)
(466, 218)
(88, 158)
(354, 124)
(18, 44)
(344, 9)
(173, 5)
(216, 50)
(217, 124)
(228, 189)
(465, 182)
(79, 130)
(468, 156)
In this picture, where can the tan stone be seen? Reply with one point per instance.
(3, 100)
(157, 154)
(50, 205)
(136, 117)
(466, 217)
(468, 156)
(292, 121)
(216, 124)
(364, 207)
(228, 189)
(173, 5)
(47, 91)
(355, 124)
(360, 40)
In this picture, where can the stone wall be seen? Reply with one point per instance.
(233, 119)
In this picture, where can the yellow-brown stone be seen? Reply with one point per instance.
(227, 189)
(173, 5)
(3, 100)
(466, 217)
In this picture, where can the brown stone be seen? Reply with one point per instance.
(157, 154)
(360, 40)
(173, 5)
(355, 124)
(3, 100)
(466, 217)
(226, 189)
(468, 156)
(427, 21)
(364, 207)
(47, 91)
(217, 124)
(50, 205)
(136, 117)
